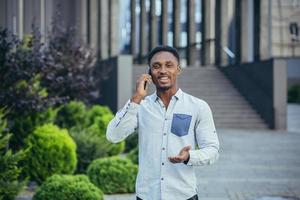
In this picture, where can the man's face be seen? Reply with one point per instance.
(164, 70)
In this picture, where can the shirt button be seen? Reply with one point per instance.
(162, 179)
(165, 119)
(165, 134)
(162, 163)
(163, 148)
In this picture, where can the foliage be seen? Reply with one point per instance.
(65, 187)
(70, 65)
(52, 151)
(10, 179)
(100, 116)
(89, 147)
(36, 76)
(131, 142)
(88, 127)
(113, 175)
(71, 115)
(20, 67)
(24, 125)
(133, 155)
(294, 94)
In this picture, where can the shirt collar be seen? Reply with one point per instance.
(177, 95)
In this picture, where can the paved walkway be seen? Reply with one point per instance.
(293, 121)
(252, 164)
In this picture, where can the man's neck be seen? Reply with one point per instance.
(166, 95)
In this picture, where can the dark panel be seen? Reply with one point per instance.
(256, 30)
(255, 82)
(238, 29)
(218, 30)
(109, 87)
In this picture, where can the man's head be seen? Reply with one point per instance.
(164, 65)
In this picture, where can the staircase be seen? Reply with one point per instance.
(230, 109)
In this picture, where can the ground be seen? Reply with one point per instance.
(252, 164)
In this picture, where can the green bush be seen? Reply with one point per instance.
(71, 115)
(294, 94)
(65, 187)
(133, 155)
(98, 118)
(113, 175)
(25, 124)
(131, 142)
(113, 148)
(89, 147)
(93, 121)
(52, 151)
(10, 181)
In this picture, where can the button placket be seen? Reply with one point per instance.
(163, 151)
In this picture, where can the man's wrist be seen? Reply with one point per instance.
(136, 98)
(187, 160)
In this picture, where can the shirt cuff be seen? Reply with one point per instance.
(132, 107)
(192, 157)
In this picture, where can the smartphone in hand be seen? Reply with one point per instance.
(145, 85)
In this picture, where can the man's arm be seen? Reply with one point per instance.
(123, 124)
(126, 121)
(207, 140)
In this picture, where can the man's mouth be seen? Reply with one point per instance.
(163, 79)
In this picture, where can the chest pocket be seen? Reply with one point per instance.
(181, 124)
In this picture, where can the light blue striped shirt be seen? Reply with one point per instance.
(163, 133)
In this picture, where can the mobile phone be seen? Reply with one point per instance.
(145, 85)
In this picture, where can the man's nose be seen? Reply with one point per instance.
(163, 69)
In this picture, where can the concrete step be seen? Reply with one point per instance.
(230, 109)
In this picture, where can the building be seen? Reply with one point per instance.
(255, 43)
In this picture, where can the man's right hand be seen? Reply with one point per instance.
(140, 91)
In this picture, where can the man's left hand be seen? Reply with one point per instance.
(182, 156)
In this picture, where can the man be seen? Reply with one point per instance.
(171, 124)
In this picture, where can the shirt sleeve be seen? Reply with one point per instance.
(124, 123)
(207, 139)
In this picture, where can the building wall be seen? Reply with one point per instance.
(283, 14)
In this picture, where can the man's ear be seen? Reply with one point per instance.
(179, 69)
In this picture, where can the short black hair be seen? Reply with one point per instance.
(160, 48)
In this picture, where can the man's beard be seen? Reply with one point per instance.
(163, 89)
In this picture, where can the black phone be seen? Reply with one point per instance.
(145, 85)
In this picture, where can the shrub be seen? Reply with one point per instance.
(65, 187)
(95, 112)
(52, 151)
(131, 142)
(98, 118)
(113, 175)
(91, 145)
(294, 94)
(71, 115)
(10, 181)
(115, 148)
(25, 124)
(37, 75)
(133, 155)
(88, 127)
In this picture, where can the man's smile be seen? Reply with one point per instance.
(163, 79)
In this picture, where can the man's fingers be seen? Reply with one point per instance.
(176, 159)
(187, 148)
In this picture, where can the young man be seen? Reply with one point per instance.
(171, 124)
